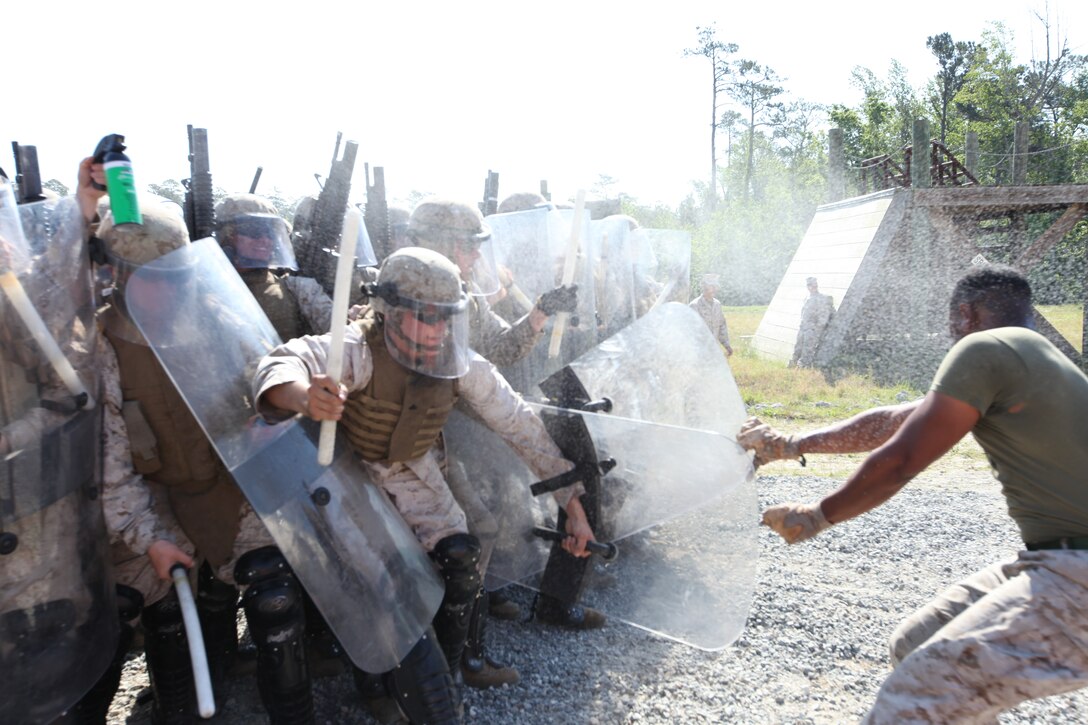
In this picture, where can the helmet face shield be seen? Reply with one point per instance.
(257, 241)
(429, 338)
(476, 260)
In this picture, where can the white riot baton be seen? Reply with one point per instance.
(205, 702)
(340, 296)
(34, 323)
(568, 270)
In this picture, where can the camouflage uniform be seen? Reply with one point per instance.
(136, 511)
(295, 306)
(417, 486)
(1014, 631)
(711, 312)
(815, 315)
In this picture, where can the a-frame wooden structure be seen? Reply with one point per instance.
(890, 260)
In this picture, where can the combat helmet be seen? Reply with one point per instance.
(422, 301)
(457, 231)
(252, 233)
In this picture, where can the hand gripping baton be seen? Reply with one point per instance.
(340, 295)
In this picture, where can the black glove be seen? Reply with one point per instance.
(560, 299)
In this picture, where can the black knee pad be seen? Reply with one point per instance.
(164, 616)
(458, 559)
(212, 593)
(262, 563)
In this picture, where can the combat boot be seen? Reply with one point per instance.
(502, 607)
(477, 669)
(550, 610)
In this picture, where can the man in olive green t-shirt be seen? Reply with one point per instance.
(1017, 629)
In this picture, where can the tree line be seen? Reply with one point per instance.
(768, 149)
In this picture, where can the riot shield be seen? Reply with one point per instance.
(662, 268)
(346, 543)
(58, 616)
(530, 247)
(678, 501)
(665, 368)
(613, 274)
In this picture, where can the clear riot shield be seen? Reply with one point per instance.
(679, 502)
(531, 246)
(58, 616)
(613, 274)
(346, 543)
(662, 268)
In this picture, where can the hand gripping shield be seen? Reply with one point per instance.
(58, 617)
(346, 543)
(530, 250)
(678, 502)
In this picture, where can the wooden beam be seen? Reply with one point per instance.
(1003, 196)
(1054, 234)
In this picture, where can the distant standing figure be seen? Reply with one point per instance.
(710, 309)
(815, 315)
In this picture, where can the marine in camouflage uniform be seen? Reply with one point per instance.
(405, 366)
(816, 314)
(710, 309)
(257, 242)
(1017, 629)
(172, 452)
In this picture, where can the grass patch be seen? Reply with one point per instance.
(1066, 319)
(794, 400)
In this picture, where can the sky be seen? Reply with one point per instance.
(439, 93)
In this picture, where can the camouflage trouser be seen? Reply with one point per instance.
(1014, 631)
(252, 534)
(421, 495)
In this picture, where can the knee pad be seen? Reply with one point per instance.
(458, 557)
(262, 563)
(212, 593)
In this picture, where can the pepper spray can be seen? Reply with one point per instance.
(119, 180)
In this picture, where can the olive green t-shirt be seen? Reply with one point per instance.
(1034, 425)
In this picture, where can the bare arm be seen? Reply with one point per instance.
(937, 424)
(865, 431)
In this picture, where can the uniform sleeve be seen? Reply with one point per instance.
(496, 340)
(723, 328)
(316, 306)
(302, 358)
(127, 502)
(977, 370)
(505, 413)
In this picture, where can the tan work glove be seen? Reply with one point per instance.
(767, 443)
(796, 522)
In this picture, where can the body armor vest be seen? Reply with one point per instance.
(400, 413)
(177, 454)
(277, 302)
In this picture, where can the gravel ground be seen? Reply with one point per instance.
(814, 650)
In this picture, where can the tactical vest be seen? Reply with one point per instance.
(400, 413)
(169, 447)
(277, 302)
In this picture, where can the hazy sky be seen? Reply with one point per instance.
(438, 93)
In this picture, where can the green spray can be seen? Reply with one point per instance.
(119, 180)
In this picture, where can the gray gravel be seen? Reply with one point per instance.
(814, 650)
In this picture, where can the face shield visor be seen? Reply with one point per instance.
(475, 258)
(257, 241)
(162, 287)
(429, 338)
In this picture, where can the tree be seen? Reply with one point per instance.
(955, 59)
(56, 186)
(717, 53)
(754, 87)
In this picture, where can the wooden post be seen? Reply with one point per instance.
(920, 177)
(970, 160)
(836, 166)
(1020, 153)
(922, 258)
